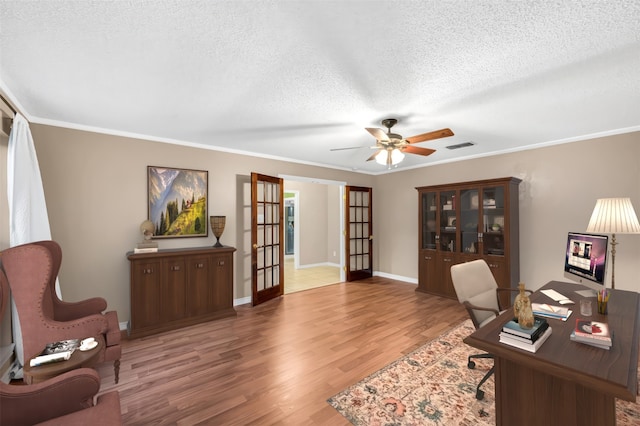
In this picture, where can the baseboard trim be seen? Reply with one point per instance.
(395, 277)
(242, 301)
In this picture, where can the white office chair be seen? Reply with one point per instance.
(478, 291)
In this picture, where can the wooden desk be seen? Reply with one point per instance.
(78, 359)
(565, 382)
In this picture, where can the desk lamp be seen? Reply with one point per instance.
(614, 216)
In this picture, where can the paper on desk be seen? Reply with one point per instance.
(549, 311)
(554, 295)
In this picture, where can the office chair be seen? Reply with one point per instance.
(478, 291)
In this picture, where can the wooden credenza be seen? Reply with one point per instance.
(465, 221)
(175, 288)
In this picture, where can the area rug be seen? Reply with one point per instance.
(433, 386)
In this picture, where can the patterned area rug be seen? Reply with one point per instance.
(433, 386)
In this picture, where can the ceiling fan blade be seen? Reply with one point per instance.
(379, 134)
(417, 150)
(343, 149)
(373, 157)
(436, 134)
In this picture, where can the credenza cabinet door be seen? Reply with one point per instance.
(179, 287)
(172, 291)
(199, 286)
(222, 273)
(146, 279)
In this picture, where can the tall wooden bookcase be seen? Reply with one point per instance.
(464, 221)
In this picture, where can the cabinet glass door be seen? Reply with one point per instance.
(448, 222)
(493, 199)
(429, 225)
(469, 220)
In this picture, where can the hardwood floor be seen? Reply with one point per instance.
(277, 363)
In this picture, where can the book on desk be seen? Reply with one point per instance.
(594, 333)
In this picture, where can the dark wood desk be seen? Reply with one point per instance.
(78, 359)
(565, 382)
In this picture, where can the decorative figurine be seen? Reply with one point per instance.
(522, 309)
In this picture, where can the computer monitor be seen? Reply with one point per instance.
(586, 259)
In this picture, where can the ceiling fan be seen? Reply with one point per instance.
(392, 146)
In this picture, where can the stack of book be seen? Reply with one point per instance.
(527, 339)
(592, 333)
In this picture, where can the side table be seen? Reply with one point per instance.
(78, 359)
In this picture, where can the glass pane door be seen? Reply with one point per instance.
(469, 219)
(493, 220)
(448, 221)
(359, 238)
(429, 225)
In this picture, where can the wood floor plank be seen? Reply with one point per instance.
(277, 363)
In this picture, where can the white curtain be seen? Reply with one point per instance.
(28, 219)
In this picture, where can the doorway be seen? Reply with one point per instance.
(314, 228)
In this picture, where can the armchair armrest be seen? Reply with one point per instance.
(469, 306)
(63, 394)
(68, 311)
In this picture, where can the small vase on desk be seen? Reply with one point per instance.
(522, 309)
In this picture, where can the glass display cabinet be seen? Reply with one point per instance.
(466, 221)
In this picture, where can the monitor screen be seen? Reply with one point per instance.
(586, 258)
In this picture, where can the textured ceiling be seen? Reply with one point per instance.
(295, 79)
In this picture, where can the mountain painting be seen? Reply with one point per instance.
(178, 202)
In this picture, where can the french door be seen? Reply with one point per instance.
(358, 232)
(267, 238)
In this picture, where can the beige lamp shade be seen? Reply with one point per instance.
(614, 216)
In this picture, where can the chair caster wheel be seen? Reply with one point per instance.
(471, 365)
(479, 394)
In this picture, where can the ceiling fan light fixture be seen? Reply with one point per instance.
(396, 156)
(389, 157)
(381, 157)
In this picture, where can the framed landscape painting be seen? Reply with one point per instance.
(177, 202)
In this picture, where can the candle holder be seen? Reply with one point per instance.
(217, 226)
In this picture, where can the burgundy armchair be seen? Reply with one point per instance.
(31, 270)
(64, 400)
